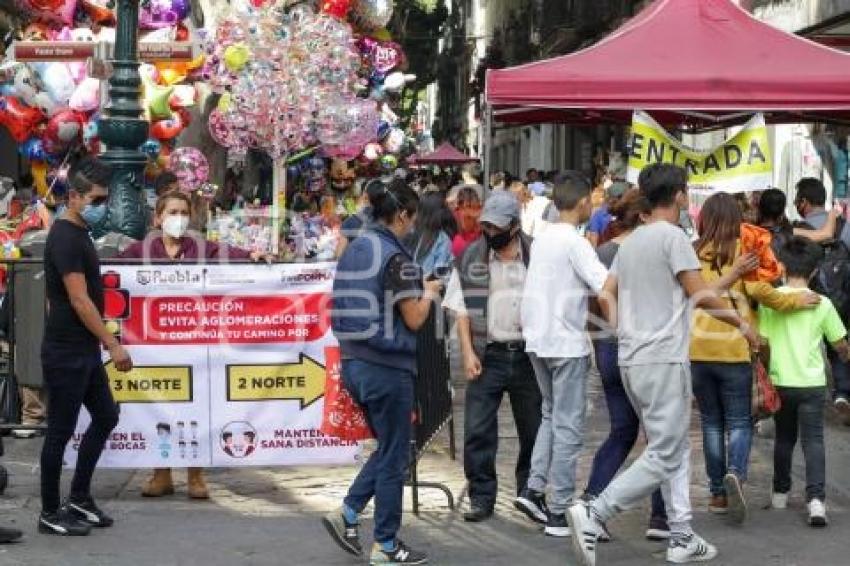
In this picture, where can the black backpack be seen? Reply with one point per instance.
(833, 275)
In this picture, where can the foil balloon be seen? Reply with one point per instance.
(370, 15)
(33, 150)
(165, 130)
(86, 97)
(65, 127)
(54, 10)
(36, 31)
(172, 73)
(78, 69)
(44, 103)
(382, 56)
(98, 12)
(389, 162)
(395, 82)
(336, 8)
(183, 97)
(90, 134)
(158, 14)
(190, 166)
(236, 56)
(372, 151)
(26, 84)
(394, 140)
(151, 148)
(38, 170)
(156, 100)
(20, 119)
(57, 81)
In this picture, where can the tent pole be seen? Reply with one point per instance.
(487, 140)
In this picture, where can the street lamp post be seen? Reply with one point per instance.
(123, 129)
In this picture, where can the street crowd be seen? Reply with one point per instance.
(745, 315)
(543, 282)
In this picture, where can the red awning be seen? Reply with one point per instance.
(445, 154)
(688, 62)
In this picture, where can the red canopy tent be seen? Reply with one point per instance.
(690, 63)
(445, 154)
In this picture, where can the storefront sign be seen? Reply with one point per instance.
(229, 366)
(64, 51)
(743, 162)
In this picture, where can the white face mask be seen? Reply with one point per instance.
(175, 226)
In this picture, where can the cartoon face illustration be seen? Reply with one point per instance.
(238, 439)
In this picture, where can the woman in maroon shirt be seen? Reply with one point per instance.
(170, 240)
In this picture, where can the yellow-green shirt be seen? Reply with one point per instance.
(795, 341)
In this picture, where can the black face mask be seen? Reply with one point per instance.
(499, 241)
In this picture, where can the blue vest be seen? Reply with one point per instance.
(364, 319)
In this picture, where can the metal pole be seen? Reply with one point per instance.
(487, 142)
(124, 130)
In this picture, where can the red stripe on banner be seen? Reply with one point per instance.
(226, 319)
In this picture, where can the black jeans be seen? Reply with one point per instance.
(503, 372)
(840, 373)
(73, 379)
(801, 413)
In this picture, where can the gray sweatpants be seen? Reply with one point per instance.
(563, 384)
(661, 396)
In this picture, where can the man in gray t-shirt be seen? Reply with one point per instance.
(655, 277)
(654, 311)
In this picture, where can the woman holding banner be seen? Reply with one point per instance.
(170, 239)
(379, 304)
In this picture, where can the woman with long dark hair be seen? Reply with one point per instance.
(720, 356)
(429, 243)
(379, 305)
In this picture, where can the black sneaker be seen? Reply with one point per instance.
(344, 533)
(63, 523)
(557, 526)
(9, 535)
(533, 504)
(87, 512)
(400, 555)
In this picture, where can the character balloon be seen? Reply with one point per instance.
(56, 10)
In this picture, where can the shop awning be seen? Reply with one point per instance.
(445, 154)
(691, 63)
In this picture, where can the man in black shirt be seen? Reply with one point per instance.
(74, 374)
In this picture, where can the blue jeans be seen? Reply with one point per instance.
(723, 393)
(386, 395)
(624, 428)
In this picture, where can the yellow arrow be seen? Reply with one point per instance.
(150, 384)
(303, 380)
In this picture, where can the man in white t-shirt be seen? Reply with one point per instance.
(563, 271)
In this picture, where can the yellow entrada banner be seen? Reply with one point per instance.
(743, 162)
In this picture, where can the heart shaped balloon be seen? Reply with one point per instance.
(20, 119)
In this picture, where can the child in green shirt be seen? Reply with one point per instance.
(797, 371)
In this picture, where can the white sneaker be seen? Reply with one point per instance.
(693, 548)
(842, 405)
(24, 433)
(779, 500)
(817, 513)
(585, 530)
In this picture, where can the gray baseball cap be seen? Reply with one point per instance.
(500, 209)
